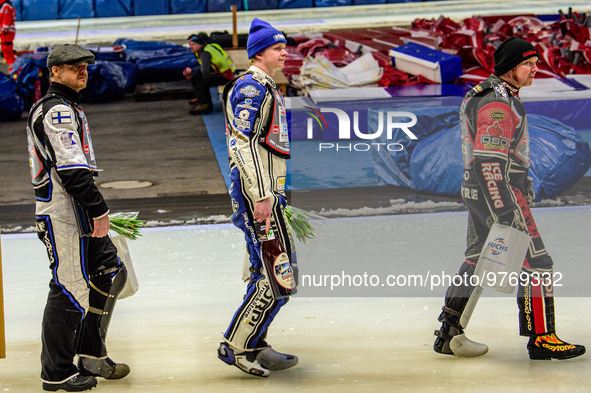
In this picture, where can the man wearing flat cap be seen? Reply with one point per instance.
(73, 223)
(496, 189)
(258, 147)
(214, 68)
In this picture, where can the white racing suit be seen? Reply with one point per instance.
(87, 274)
(258, 146)
(495, 144)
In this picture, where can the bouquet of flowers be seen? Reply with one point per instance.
(298, 220)
(127, 224)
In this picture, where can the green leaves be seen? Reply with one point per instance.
(298, 220)
(127, 224)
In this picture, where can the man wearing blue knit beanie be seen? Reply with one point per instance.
(258, 147)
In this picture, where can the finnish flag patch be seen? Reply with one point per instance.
(61, 117)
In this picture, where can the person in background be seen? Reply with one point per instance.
(7, 31)
(214, 68)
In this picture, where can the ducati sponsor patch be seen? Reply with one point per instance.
(244, 114)
(242, 124)
(250, 91)
(61, 117)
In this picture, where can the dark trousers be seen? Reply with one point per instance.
(534, 298)
(201, 85)
(66, 329)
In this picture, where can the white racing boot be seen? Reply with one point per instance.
(245, 361)
(462, 346)
(273, 360)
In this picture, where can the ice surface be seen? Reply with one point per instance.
(190, 287)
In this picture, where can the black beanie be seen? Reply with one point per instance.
(200, 38)
(512, 52)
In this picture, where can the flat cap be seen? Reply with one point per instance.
(69, 54)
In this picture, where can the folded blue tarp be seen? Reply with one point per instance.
(109, 81)
(157, 61)
(11, 102)
(29, 69)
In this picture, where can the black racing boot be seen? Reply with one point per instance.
(77, 383)
(102, 367)
(444, 336)
(548, 346)
(451, 339)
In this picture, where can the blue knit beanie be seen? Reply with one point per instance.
(261, 36)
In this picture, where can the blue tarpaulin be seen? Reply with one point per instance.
(158, 61)
(72, 9)
(11, 102)
(29, 69)
(111, 8)
(433, 164)
(109, 80)
(187, 6)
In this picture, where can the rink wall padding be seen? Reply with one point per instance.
(112, 8)
(39, 10)
(71, 9)
(187, 6)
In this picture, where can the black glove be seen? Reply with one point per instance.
(513, 219)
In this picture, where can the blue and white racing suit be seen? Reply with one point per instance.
(258, 147)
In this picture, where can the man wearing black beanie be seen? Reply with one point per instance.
(496, 189)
